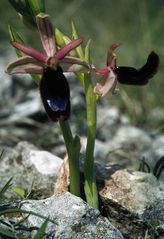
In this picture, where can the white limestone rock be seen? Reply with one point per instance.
(73, 218)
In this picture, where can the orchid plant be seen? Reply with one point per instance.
(50, 63)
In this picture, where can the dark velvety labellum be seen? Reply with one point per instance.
(141, 76)
(58, 103)
(55, 94)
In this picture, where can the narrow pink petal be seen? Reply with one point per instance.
(111, 57)
(29, 51)
(111, 60)
(106, 85)
(24, 65)
(46, 34)
(103, 71)
(60, 54)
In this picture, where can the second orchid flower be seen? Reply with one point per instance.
(124, 74)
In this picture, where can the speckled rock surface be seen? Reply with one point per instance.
(73, 218)
(136, 199)
(31, 169)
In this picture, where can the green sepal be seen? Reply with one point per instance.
(59, 36)
(79, 75)
(68, 40)
(87, 52)
(79, 49)
(62, 40)
(14, 35)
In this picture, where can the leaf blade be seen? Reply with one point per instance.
(40, 233)
(14, 35)
(5, 188)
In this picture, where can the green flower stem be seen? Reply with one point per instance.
(73, 149)
(89, 172)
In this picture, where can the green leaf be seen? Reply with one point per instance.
(159, 167)
(40, 233)
(28, 9)
(143, 166)
(18, 5)
(24, 12)
(1, 153)
(19, 222)
(5, 188)
(35, 7)
(20, 192)
(14, 35)
(8, 233)
(75, 36)
(17, 210)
